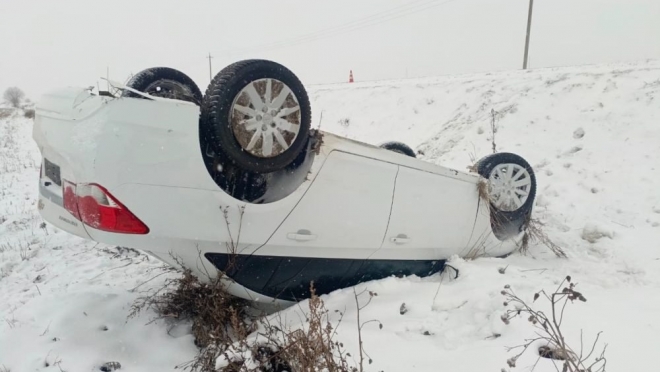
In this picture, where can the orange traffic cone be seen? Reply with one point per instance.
(350, 77)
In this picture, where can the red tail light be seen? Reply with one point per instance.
(70, 198)
(97, 208)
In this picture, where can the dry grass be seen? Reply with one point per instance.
(22, 247)
(207, 304)
(483, 190)
(310, 348)
(313, 348)
(6, 112)
(230, 340)
(534, 234)
(218, 318)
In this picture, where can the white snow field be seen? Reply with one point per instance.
(591, 132)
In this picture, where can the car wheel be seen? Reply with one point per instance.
(511, 185)
(399, 147)
(257, 113)
(164, 82)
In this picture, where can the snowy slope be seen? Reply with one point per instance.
(591, 133)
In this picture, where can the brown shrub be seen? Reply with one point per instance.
(224, 331)
(206, 304)
(6, 112)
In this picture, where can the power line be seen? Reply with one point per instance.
(351, 23)
(372, 20)
(352, 26)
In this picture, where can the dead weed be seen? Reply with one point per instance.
(534, 233)
(230, 340)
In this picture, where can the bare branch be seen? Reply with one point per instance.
(549, 330)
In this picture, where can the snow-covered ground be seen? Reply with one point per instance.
(592, 135)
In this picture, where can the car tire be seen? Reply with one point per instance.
(256, 135)
(164, 82)
(511, 195)
(399, 147)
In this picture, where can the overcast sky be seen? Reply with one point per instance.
(51, 43)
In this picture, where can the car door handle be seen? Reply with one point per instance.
(301, 236)
(400, 239)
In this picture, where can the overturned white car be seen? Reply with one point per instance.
(236, 180)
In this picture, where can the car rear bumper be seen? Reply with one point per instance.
(51, 205)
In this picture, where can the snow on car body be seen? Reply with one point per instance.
(143, 171)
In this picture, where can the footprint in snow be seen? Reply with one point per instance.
(110, 366)
(542, 164)
(574, 149)
(578, 133)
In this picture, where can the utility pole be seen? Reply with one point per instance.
(210, 69)
(529, 28)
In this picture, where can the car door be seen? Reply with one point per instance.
(432, 216)
(343, 214)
